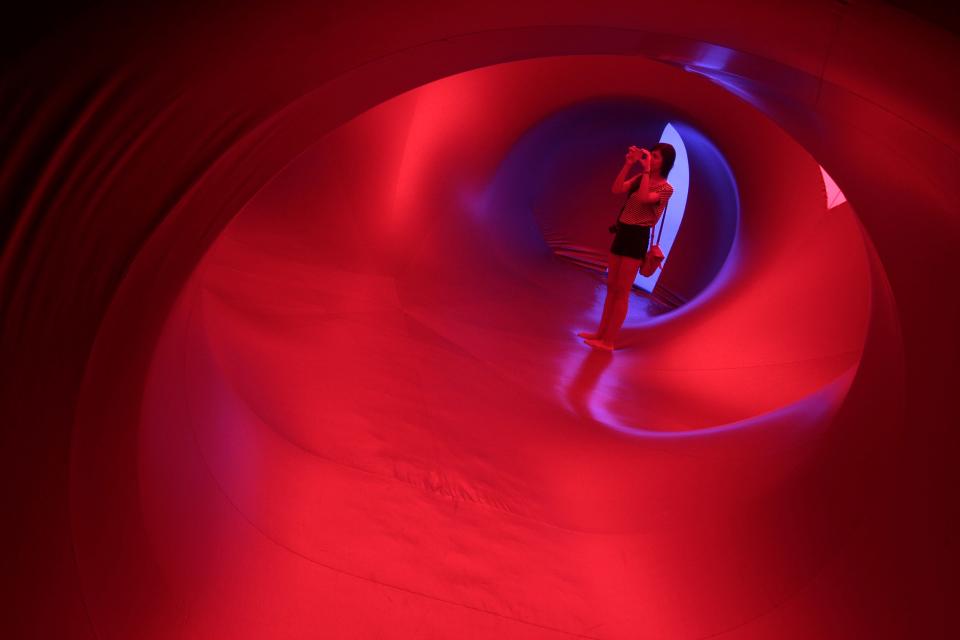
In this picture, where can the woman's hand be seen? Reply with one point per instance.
(631, 156)
(643, 157)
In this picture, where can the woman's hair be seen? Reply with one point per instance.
(669, 155)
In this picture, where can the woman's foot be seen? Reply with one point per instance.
(589, 335)
(596, 343)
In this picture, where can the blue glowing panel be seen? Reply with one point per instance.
(679, 178)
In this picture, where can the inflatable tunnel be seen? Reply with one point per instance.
(290, 300)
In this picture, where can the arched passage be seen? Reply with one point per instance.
(848, 122)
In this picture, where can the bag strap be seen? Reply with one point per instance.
(633, 188)
(663, 222)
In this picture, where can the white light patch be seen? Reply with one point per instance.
(834, 195)
(679, 179)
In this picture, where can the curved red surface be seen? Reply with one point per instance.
(288, 354)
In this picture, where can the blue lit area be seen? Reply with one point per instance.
(679, 178)
(550, 195)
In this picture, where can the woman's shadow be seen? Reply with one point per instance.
(583, 386)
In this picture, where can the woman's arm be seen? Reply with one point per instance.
(659, 193)
(644, 188)
(620, 183)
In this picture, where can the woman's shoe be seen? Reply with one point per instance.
(599, 344)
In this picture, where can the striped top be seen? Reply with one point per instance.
(646, 213)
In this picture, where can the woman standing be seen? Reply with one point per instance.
(649, 192)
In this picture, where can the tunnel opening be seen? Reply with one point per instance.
(446, 208)
(560, 169)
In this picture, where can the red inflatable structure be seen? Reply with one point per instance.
(290, 299)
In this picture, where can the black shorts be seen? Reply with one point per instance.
(631, 240)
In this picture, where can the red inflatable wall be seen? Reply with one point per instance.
(288, 349)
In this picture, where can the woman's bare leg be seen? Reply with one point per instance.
(613, 275)
(613, 268)
(618, 294)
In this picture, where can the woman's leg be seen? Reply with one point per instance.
(613, 276)
(618, 294)
(613, 269)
